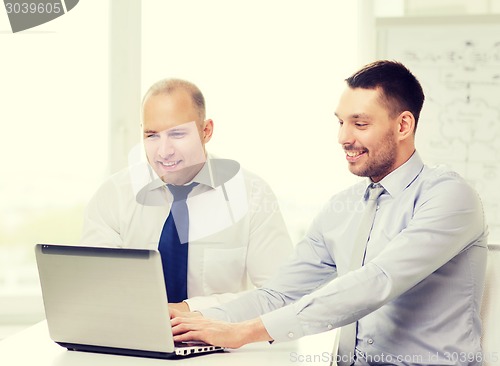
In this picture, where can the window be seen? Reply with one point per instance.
(53, 144)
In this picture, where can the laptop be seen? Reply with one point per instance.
(109, 300)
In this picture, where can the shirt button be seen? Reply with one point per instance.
(290, 335)
(370, 341)
(330, 326)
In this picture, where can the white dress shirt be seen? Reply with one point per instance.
(237, 236)
(416, 298)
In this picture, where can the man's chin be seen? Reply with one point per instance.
(175, 179)
(357, 171)
(180, 176)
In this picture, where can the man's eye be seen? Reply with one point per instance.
(151, 135)
(177, 135)
(359, 124)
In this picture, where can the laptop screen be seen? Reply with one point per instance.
(109, 297)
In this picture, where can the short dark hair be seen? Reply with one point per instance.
(167, 86)
(400, 89)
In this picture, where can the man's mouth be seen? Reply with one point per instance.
(353, 155)
(169, 164)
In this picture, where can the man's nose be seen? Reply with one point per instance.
(166, 148)
(345, 136)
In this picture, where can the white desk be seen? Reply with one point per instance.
(33, 346)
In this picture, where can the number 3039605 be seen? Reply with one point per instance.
(33, 8)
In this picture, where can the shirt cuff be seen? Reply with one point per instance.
(215, 313)
(283, 324)
(201, 302)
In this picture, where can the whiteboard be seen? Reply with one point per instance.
(457, 61)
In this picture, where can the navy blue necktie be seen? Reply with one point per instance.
(173, 245)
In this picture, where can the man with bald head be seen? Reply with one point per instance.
(229, 230)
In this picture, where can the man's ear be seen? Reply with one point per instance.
(207, 130)
(406, 125)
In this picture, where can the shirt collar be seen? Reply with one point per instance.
(203, 176)
(216, 172)
(398, 180)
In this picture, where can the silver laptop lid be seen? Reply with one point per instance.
(111, 297)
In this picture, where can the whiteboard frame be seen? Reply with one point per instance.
(384, 25)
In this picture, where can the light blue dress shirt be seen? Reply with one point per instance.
(416, 298)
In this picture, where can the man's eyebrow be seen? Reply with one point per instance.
(360, 116)
(173, 129)
(356, 116)
(176, 129)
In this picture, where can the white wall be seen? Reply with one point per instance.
(271, 72)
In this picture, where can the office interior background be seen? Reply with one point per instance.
(271, 72)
